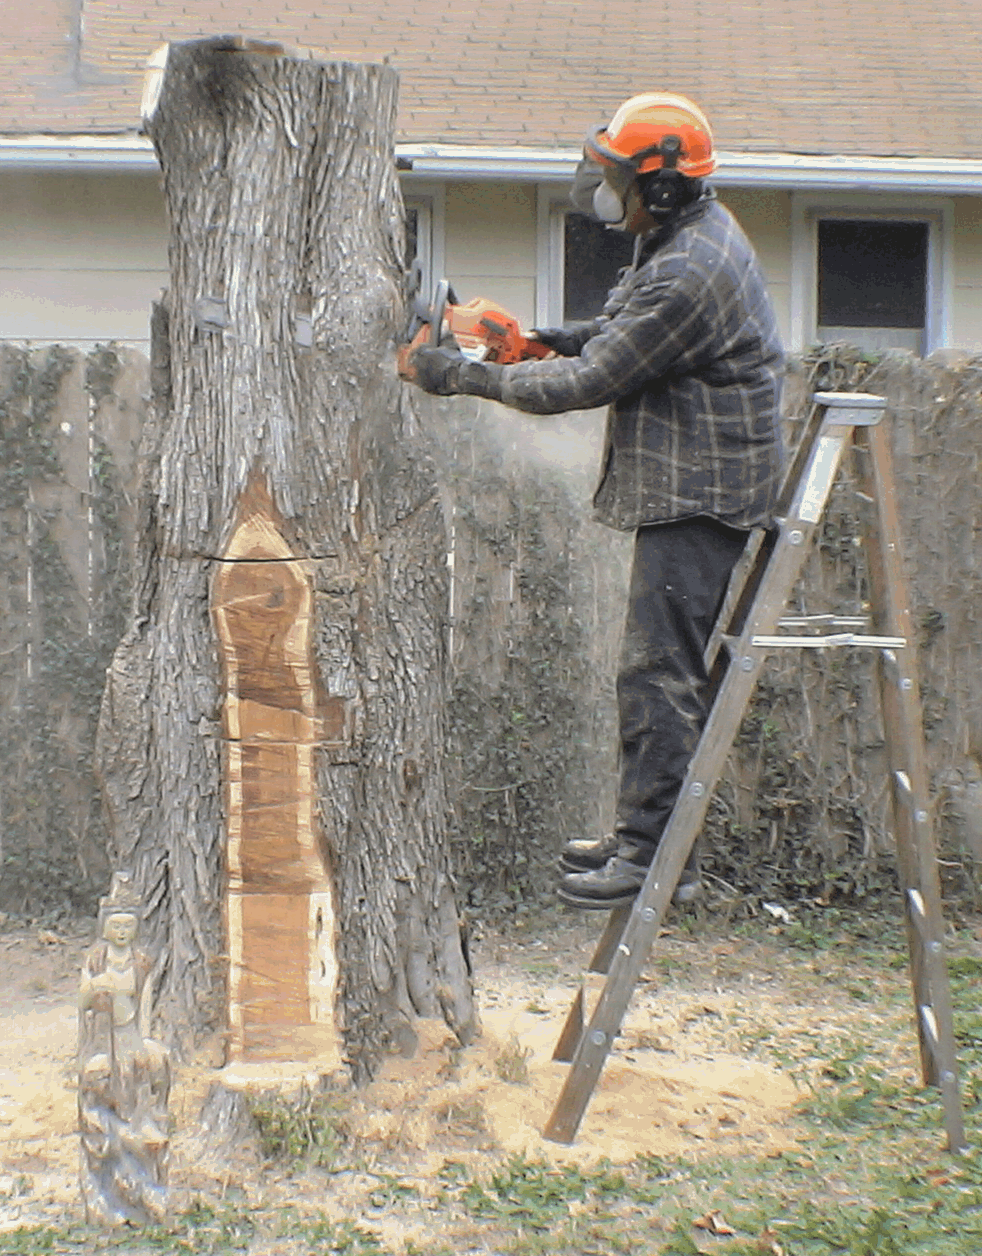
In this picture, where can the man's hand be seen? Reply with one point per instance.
(437, 370)
(562, 340)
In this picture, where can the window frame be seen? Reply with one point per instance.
(808, 209)
(429, 202)
(552, 207)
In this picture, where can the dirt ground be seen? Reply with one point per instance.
(684, 1079)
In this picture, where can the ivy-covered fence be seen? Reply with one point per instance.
(537, 601)
(69, 427)
(538, 592)
(802, 810)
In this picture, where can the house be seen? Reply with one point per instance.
(849, 138)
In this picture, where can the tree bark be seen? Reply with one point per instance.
(273, 726)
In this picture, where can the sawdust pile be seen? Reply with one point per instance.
(678, 1082)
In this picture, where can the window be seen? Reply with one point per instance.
(870, 274)
(418, 235)
(580, 259)
(592, 256)
(424, 235)
(412, 233)
(872, 282)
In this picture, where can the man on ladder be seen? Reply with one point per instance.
(687, 356)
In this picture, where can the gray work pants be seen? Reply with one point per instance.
(678, 580)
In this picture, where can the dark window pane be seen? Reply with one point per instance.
(594, 255)
(872, 274)
(412, 227)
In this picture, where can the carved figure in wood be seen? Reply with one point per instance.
(123, 1074)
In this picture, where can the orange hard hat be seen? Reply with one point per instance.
(634, 137)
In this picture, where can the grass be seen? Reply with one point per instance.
(512, 1063)
(867, 1175)
(310, 1129)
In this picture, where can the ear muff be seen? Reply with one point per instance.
(668, 190)
(663, 192)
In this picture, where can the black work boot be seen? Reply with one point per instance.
(586, 856)
(618, 881)
(689, 888)
(614, 883)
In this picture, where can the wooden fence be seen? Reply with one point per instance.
(537, 597)
(70, 426)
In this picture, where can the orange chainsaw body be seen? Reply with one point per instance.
(482, 330)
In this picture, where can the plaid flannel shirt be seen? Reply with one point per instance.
(688, 357)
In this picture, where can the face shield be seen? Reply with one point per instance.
(604, 177)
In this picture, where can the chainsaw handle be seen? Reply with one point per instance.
(438, 310)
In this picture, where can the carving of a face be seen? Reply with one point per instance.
(120, 928)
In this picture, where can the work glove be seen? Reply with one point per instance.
(566, 341)
(437, 369)
(446, 372)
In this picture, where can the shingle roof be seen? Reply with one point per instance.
(852, 77)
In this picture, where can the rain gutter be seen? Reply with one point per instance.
(134, 155)
(761, 170)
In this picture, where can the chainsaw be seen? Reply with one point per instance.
(482, 330)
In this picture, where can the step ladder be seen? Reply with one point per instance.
(751, 624)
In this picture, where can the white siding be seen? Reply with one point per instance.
(81, 257)
(765, 216)
(491, 244)
(967, 296)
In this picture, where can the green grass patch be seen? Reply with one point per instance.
(309, 1129)
(864, 1171)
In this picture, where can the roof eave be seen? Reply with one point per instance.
(790, 171)
(134, 154)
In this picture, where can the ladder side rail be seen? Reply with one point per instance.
(807, 504)
(891, 595)
(909, 787)
(606, 948)
(739, 589)
(903, 730)
(743, 584)
(800, 455)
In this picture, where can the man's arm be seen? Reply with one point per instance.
(660, 322)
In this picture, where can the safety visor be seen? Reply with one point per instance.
(601, 164)
(589, 176)
(619, 171)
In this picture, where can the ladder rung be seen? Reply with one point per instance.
(832, 621)
(829, 640)
(918, 917)
(918, 815)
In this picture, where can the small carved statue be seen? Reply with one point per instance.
(123, 1075)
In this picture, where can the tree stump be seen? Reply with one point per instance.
(273, 727)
